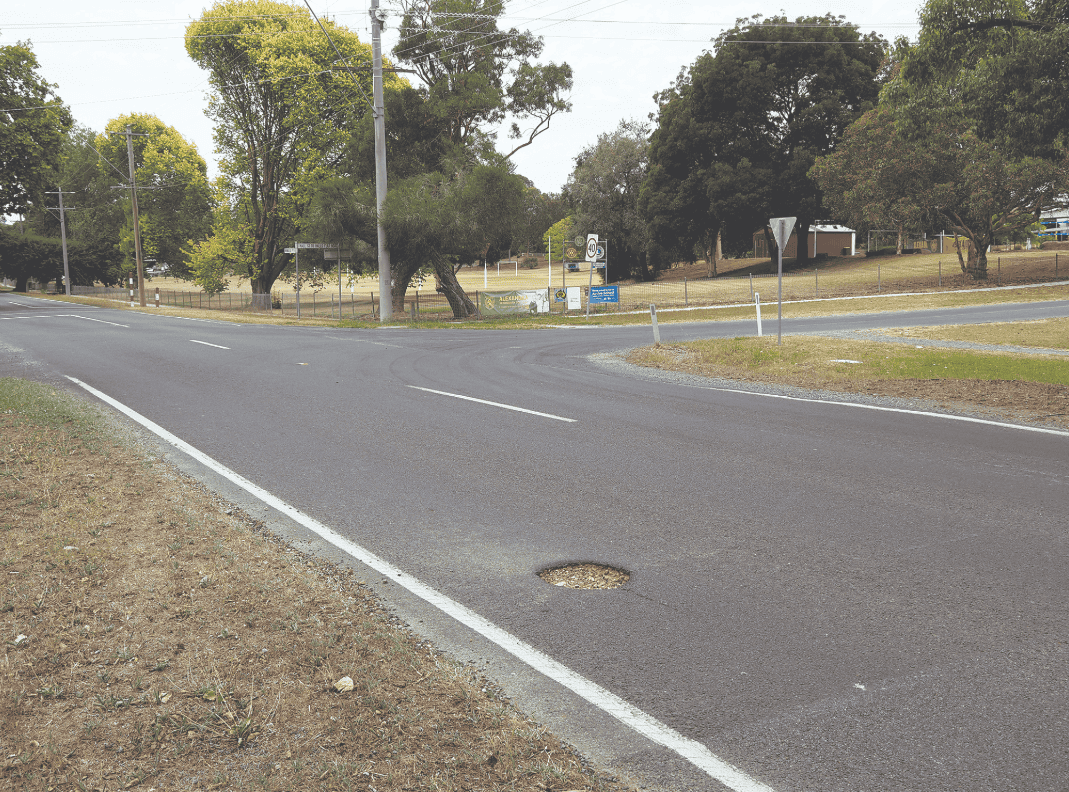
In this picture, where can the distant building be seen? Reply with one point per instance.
(1055, 225)
(822, 240)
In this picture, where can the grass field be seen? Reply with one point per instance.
(155, 637)
(737, 282)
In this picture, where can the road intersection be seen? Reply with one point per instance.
(823, 596)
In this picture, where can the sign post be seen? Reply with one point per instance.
(781, 230)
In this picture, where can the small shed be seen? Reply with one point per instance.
(827, 240)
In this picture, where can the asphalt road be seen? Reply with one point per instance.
(826, 597)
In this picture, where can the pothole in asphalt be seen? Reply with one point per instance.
(585, 576)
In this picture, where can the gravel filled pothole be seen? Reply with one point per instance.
(585, 575)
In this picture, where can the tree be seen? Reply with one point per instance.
(33, 123)
(282, 115)
(1005, 63)
(738, 132)
(985, 193)
(981, 90)
(28, 255)
(877, 178)
(453, 197)
(558, 235)
(604, 188)
(476, 76)
(173, 192)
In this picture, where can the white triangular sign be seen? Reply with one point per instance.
(781, 230)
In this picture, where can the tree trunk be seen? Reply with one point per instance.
(461, 304)
(770, 244)
(801, 247)
(713, 253)
(898, 251)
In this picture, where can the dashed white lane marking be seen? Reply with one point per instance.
(496, 404)
(877, 408)
(195, 341)
(88, 319)
(646, 725)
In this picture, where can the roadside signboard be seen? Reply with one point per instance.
(574, 298)
(514, 302)
(591, 247)
(318, 245)
(604, 294)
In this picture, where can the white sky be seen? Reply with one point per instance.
(110, 57)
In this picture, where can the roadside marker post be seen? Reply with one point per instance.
(157, 296)
(757, 301)
(653, 320)
(781, 230)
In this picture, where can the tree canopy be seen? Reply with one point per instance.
(282, 115)
(453, 197)
(738, 132)
(604, 189)
(33, 125)
(173, 191)
(1002, 64)
(476, 76)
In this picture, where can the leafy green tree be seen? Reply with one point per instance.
(26, 255)
(985, 193)
(877, 178)
(33, 125)
(738, 132)
(476, 76)
(1004, 63)
(453, 197)
(983, 90)
(173, 192)
(282, 114)
(558, 235)
(604, 188)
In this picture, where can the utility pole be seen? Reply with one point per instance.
(385, 286)
(63, 236)
(130, 135)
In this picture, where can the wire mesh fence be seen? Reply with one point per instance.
(847, 277)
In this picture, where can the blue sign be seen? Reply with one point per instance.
(604, 294)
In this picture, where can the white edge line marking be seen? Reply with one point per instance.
(646, 725)
(966, 419)
(195, 341)
(88, 319)
(496, 404)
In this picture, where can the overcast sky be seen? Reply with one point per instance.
(110, 57)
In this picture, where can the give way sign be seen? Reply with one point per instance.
(781, 230)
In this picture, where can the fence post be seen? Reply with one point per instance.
(940, 269)
(879, 279)
(751, 285)
(1055, 265)
(999, 260)
(686, 299)
(816, 282)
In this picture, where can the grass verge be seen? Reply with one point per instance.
(828, 307)
(1015, 386)
(156, 637)
(1041, 333)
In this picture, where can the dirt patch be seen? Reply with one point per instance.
(585, 576)
(155, 637)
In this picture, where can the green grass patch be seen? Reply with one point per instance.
(43, 405)
(958, 364)
(820, 361)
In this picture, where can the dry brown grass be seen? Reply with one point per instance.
(155, 637)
